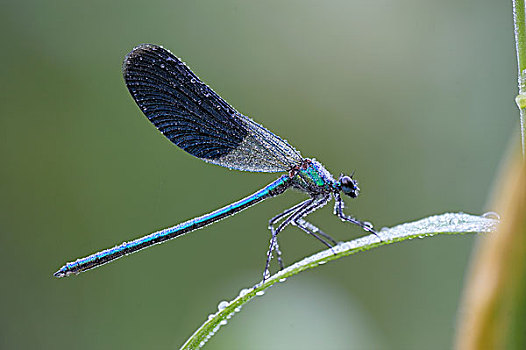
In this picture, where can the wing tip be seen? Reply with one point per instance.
(137, 51)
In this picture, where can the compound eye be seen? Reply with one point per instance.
(347, 183)
(349, 186)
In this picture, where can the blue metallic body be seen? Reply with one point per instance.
(125, 248)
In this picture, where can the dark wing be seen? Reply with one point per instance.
(198, 120)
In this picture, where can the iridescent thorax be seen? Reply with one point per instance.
(312, 177)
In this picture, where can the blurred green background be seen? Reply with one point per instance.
(416, 96)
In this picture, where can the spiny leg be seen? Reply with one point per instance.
(278, 255)
(299, 210)
(338, 210)
(306, 207)
(309, 228)
(276, 219)
(316, 230)
(275, 231)
(285, 213)
(302, 225)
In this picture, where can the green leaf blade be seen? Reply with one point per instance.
(449, 223)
